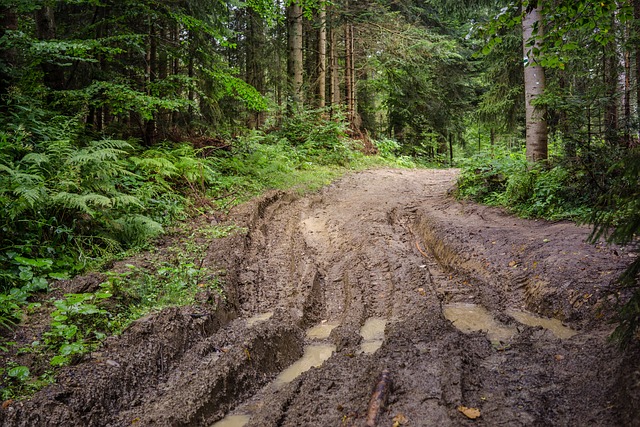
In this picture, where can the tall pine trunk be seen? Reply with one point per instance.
(349, 79)
(255, 42)
(322, 56)
(333, 63)
(46, 30)
(295, 60)
(534, 85)
(8, 21)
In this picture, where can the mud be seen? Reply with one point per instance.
(387, 245)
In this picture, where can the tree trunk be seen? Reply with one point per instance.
(335, 71)
(636, 16)
(295, 62)
(9, 21)
(152, 75)
(534, 85)
(349, 79)
(254, 63)
(46, 30)
(322, 57)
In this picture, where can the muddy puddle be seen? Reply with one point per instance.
(321, 331)
(553, 325)
(315, 354)
(233, 421)
(372, 333)
(474, 318)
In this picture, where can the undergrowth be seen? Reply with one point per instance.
(69, 203)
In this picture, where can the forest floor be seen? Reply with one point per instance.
(414, 308)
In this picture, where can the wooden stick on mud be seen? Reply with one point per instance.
(378, 398)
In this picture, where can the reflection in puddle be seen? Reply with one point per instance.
(372, 334)
(314, 356)
(554, 325)
(321, 331)
(259, 318)
(232, 421)
(471, 318)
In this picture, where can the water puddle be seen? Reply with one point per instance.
(321, 331)
(232, 421)
(554, 325)
(259, 318)
(314, 356)
(372, 333)
(472, 318)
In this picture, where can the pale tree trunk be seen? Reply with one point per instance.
(322, 57)
(534, 85)
(295, 62)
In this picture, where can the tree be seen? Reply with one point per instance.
(534, 83)
(295, 57)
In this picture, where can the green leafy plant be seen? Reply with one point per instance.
(77, 326)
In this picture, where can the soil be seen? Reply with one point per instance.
(384, 247)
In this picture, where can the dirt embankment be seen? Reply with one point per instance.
(443, 296)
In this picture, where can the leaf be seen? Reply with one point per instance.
(471, 413)
(21, 373)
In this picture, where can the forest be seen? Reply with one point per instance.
(119, 119)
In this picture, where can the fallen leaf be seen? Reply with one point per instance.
(513, 264)
(471, 413)
(7, 403)
(399, 420)
(558, 357)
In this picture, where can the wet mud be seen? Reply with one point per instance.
(463, 306)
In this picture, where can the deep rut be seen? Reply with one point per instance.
(389, 248)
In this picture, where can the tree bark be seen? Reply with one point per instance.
(322, 57)
(636, 16)
(295, 62)
(335, 71)
(349, 80)
(254, 64)
(46, 30)
(9, 21)
(534, 85)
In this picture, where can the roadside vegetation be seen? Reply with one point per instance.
(120, 120)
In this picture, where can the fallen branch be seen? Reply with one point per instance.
(378, 398)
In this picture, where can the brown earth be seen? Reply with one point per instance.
(384, 244)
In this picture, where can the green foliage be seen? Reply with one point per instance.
(617, 219)
(509, 181)
(77, 326)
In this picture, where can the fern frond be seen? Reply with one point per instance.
(112, 143)
(81, 202)
(36, 158)
(159, 165)
(123, 200)
(88, 156)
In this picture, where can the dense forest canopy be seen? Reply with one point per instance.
(117, 115)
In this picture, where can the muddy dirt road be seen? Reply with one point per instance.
(475, 317)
